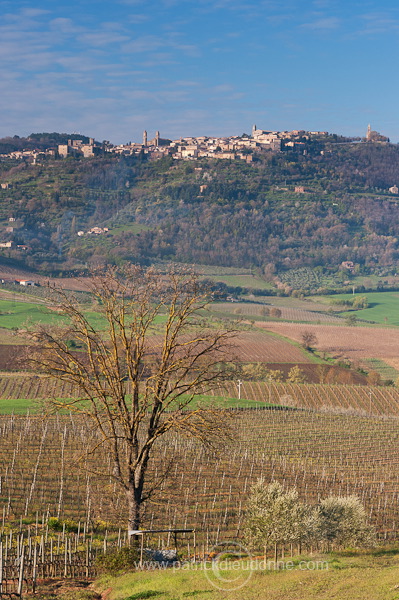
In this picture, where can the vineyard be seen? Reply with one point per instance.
(375, 400)
(45, 469)
(288, 313)
(261, 346)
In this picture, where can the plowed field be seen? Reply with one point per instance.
(254, 346)
(354, 343)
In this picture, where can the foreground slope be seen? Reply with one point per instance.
(354, 576)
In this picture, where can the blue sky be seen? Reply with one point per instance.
(110, 69)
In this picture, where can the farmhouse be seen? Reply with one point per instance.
(27, 282)
(348, 264)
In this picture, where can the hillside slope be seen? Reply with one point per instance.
(209, 211)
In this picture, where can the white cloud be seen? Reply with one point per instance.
(103, 38)
(64, 25)
(326, 23)
(144, 43)
(378, 23)
(222, 89)
(137, 19)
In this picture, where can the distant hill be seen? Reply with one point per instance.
(320, 206)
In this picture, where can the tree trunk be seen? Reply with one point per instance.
(134, 504)
(135, 501)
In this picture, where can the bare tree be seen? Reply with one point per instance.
(140, 370)
(309, 339)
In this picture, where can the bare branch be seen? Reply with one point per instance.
(137, 374)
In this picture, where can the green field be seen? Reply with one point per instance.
(21, 406)
(342, 576)
(222, 402)
(386, 371)
(16, 314)
(383, 307)
(242, 280)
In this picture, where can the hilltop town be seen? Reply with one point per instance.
(191, 148)
(272, 200)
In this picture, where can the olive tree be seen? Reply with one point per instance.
(138, 372)
(274, 515)
(342, 521)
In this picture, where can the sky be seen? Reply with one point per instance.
(111, 68)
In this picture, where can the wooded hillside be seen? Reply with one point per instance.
(284, 210)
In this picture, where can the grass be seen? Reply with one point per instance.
(242, 280)
(353, 575)
(20, 406)
(385, 370)
(383, 307)
(17, 315)
(14, 314)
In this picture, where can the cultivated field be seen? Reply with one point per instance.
(254, 346)
(382, 306)
(69, 283)
(354, 343)
(376, 400)
(320, 453)
(288, 313)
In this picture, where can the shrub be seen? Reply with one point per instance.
(118, 561)
(275, 515)
(296, 375)
(58, 524)
(54, 524)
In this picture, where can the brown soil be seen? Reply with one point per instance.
(70, 283)
(353, 343)
(319, 373)
(63, 589)
(11, 357)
